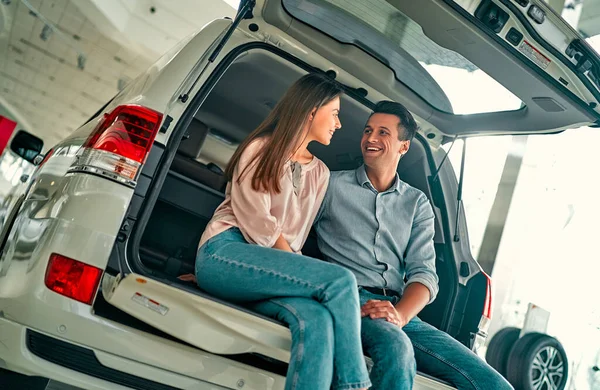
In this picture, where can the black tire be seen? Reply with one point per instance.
(499, 348)
(537, 362)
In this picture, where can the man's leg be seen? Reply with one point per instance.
(441, 356)
(392, 354)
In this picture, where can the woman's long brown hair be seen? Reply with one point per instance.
(284, 127)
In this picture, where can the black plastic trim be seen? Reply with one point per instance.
(85, 361)
(454, 313)
(166, 124)
(472, 307)
(436, 188)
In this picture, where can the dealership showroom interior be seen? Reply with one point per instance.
(299, 194)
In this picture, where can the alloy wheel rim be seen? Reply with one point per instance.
(547, 369)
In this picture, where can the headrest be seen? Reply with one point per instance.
(191, 146)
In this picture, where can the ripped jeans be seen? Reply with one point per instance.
(318, 301)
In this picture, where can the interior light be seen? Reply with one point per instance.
(537, 14)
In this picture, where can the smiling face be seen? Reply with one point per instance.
(381, 145)
(325, 122)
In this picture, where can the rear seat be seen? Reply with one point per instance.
(186, 163)
(191, 193)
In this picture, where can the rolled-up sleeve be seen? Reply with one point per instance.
(252, 209)
(420, 252)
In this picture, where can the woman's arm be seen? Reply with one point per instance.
(282, 244)
(252, 208)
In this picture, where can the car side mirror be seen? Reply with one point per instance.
(27, 146)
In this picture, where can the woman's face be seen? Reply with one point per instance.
(325, 122)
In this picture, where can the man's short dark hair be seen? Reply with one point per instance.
(407, 121)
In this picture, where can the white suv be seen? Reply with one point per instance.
(89, 294)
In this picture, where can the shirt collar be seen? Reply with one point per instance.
(362, 178)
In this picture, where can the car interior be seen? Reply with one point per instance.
(195, 184)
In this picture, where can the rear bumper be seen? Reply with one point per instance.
(85, 351)
(85, 361)
(31, 353)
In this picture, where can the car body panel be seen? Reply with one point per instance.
(79, 216)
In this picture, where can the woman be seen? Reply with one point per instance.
(250, 250)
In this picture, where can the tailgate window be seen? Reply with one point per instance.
(444, 78)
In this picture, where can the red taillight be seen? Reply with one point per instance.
(120, 143)
(128, 131)
(72, 278)
(487, 307)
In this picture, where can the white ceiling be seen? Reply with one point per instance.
(40, 83)
(40, 79)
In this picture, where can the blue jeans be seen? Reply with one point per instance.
(318, 301)
(398, 352)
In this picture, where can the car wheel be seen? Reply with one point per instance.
(499, 348)
(537, 362)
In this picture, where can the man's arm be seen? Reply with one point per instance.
(414, 298)
(422, 281)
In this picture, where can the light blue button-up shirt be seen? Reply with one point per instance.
(385, 238)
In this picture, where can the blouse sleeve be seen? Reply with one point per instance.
(322, 194)
(252, 209)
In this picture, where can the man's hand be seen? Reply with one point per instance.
(383, 309)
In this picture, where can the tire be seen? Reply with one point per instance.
(537, 362)
(500, 347)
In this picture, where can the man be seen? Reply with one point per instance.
(382, 229)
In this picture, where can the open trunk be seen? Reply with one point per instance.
(167, 216)
(194, 187)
